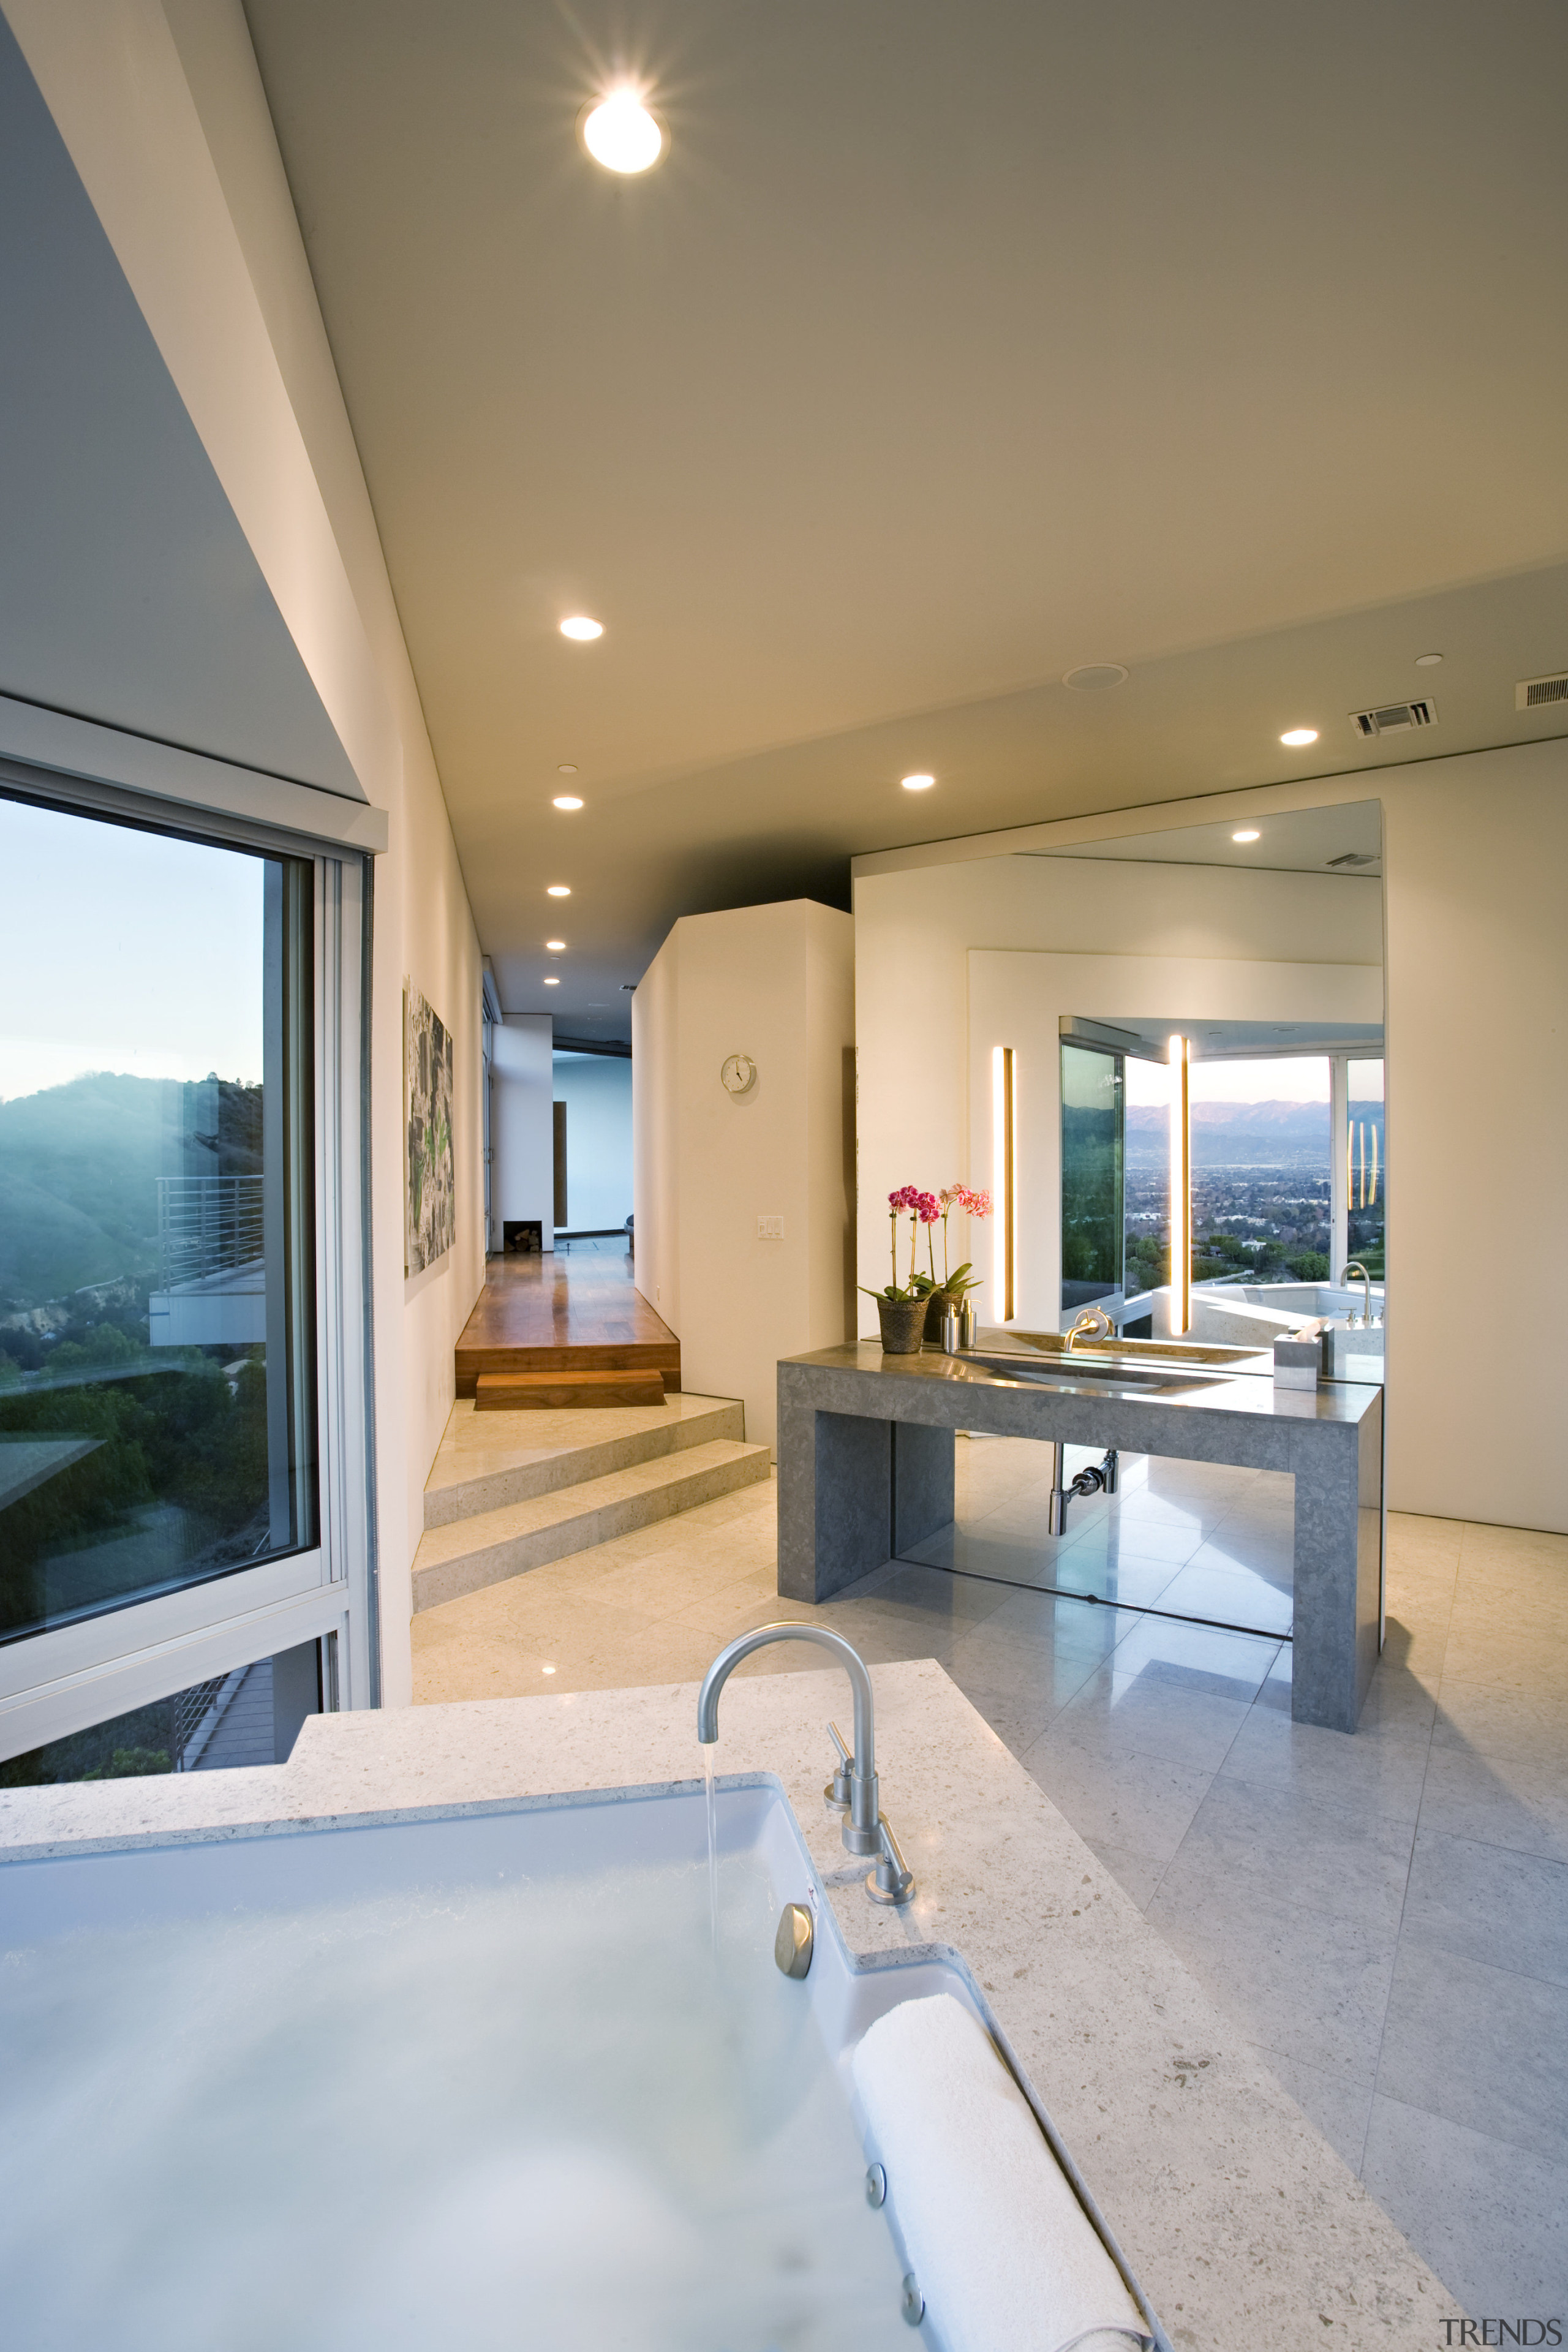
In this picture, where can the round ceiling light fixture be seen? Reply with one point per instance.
(558, 890)
(621, 134)
(555, 946)
(917, 783)
(567, 801)
(1093, 678)
(1247, 833)
(1428, 661)
(579, 626)
(1298, 737)
(551, 980)
(567, 768)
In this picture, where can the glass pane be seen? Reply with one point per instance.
(1367, 1167)
(1092, 1175)
(157, 1323)
(250, 1717)
(1260, 1172)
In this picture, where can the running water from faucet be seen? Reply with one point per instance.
(712, 1851)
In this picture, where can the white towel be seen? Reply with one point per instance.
(1005, 2254)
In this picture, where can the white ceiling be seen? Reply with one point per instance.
(950, 348)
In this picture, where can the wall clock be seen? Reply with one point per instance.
(738, 1073)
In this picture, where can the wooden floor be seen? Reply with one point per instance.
(570, 1311)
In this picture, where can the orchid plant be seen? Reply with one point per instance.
(930, 1209)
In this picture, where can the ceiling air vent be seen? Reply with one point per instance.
(1534, 693)
(1394, 718)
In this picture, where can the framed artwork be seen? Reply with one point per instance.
(430, 1200)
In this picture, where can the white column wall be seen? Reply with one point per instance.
(522, 1123)
(775, 983)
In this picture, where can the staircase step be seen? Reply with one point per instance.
(470, 1553)
(564, 1390)
(485, 1463)
(662, 1355)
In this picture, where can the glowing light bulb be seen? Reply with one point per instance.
(567, 801)
(918, 784)
(558, 890)
(578, 625)
(1298, 736)
(1247, 833)
(621, 134)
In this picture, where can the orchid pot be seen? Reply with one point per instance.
(904, 1324)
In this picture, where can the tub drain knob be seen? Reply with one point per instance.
(793, 1944)
(914, 2302)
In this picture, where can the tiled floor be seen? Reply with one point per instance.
(1386, 1915)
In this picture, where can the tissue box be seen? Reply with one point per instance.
(1298, 1359)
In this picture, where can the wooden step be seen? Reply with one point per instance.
(471, 1553)
(565, 1391)
(662, 1355)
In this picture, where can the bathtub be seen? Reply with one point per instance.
(490, 2076)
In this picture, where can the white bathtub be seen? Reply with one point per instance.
(470, 2079)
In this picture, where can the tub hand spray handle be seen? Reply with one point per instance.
(838, 1789)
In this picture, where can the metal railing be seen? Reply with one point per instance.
(207, 1224)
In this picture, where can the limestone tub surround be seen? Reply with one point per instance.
(1243, 2227)
(866, 1472)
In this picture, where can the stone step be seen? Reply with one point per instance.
(471, 1553)
(486, 1461)
(565, 1391)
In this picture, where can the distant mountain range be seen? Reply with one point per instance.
(79, 1165)
(1227, 1132)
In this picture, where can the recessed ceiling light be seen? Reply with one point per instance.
(1093, 678)
(918, 784)
(621, 134)
(567, 801)
(555, 946)
(1428, 661)
(558, 890)
(547, 1670)
(579, 627)
(567, 768)
(1296, 735)
(1247, 833)
(550, 982)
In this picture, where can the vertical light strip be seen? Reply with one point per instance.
(1180, 1189)
(1002, 1151)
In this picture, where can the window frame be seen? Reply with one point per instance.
(67, 1678)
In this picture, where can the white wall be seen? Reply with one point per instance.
(776, 983)
(522, 1129)
(163, 113)
(596, 1089)
(1476, 985)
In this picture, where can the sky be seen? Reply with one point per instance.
(123, 950)
(1293, 1077)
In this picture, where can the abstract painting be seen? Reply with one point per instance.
(431, 1212)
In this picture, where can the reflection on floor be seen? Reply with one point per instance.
(1201, 1542)
(1386, 1915)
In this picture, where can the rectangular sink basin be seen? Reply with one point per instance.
(1081, 1372)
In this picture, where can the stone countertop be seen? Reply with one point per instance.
(1245, 2228)
(1248, 1394)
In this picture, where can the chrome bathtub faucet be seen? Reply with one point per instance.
(854, 1784)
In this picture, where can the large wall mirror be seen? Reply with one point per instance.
(1198, 1111)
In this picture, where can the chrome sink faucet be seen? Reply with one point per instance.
(1355, 1266)
(854, 1785)
(1094, 1323)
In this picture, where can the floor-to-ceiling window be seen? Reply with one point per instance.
(1092, 1176)
(172, 1082)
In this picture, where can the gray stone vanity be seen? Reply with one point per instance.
(865, 1468)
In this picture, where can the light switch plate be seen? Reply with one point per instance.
(769, 1229)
